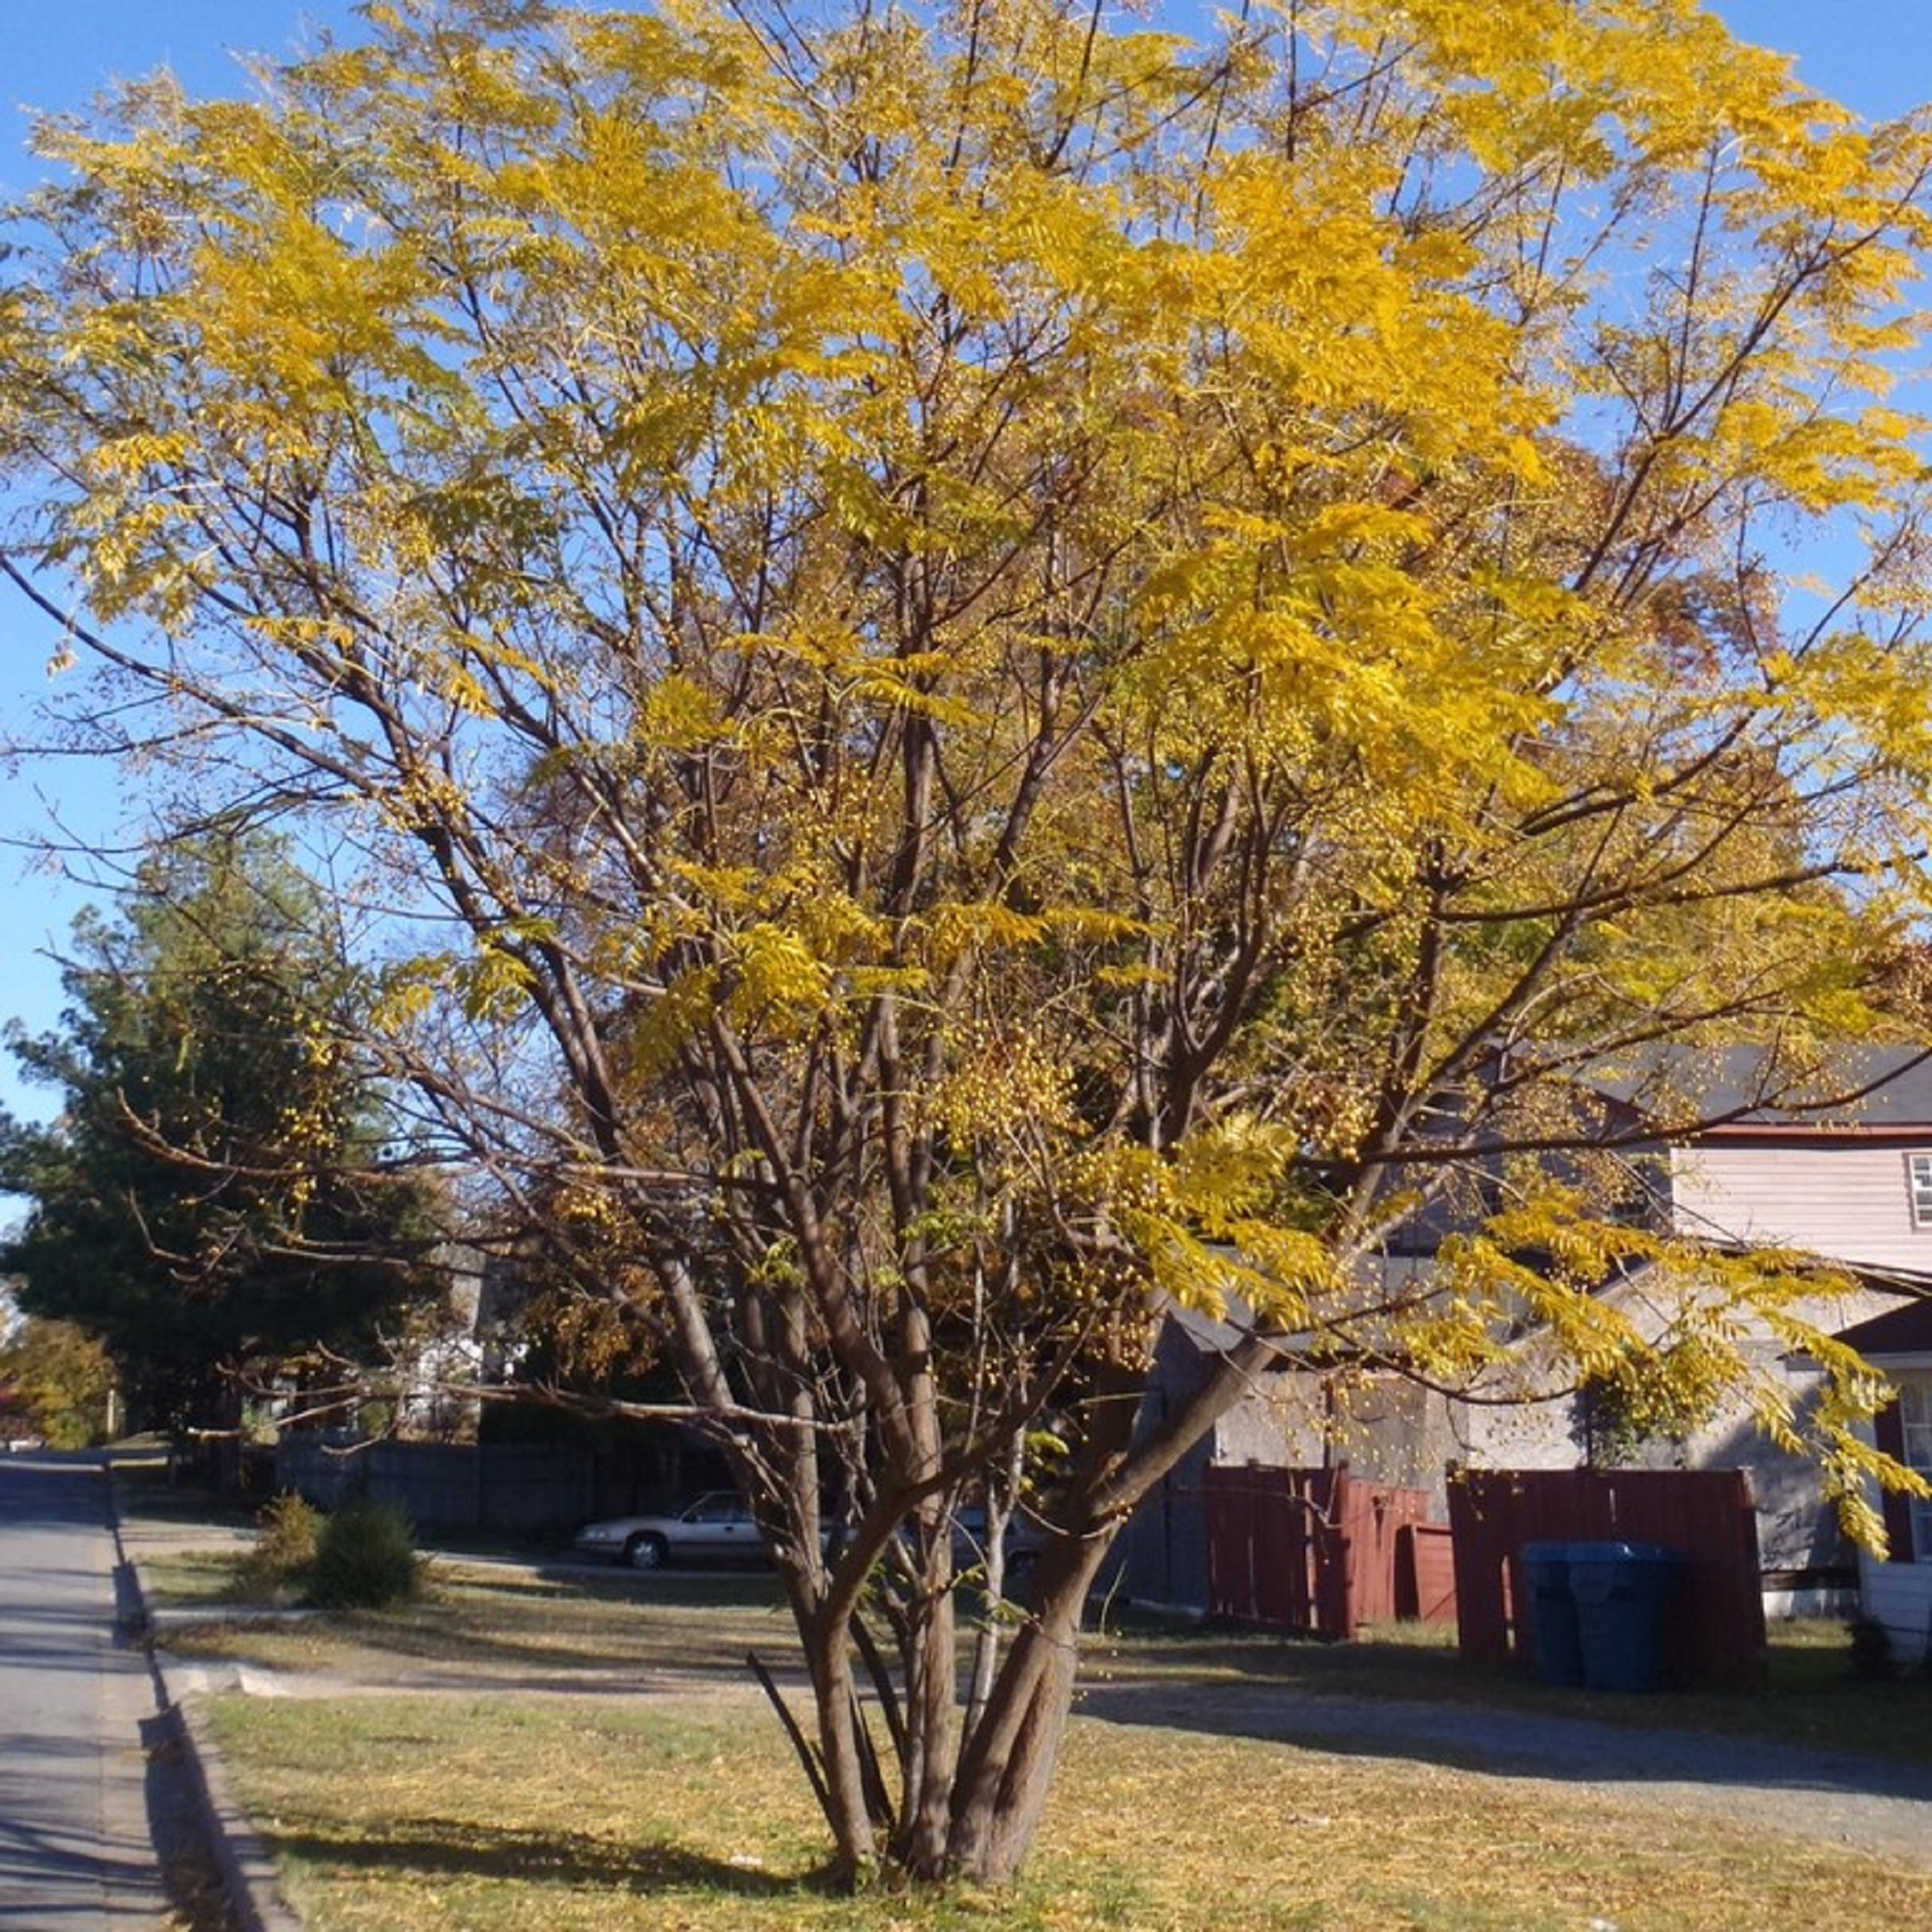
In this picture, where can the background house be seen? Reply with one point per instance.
(1301, 1413)
(1837, 1166)
(1895, 1589)
(1846, 1178)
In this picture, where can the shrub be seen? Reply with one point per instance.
(365, 1559)
(1872, 1649)
(287, 1534)
(290, 1529)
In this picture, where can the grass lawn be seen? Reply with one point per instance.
(508, 1778)
(481, 1626)
(1812, 1697)
(496, 1814)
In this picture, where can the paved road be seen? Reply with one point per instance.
(75, 1850)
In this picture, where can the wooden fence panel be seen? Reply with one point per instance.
(1373, 1521)
(1310, 1551)
(444, 1487)
(1425, 1572)
(1265, 1535)
(1714, 1633)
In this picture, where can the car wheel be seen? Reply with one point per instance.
(646, 1553)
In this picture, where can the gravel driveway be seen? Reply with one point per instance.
(1868, 1804)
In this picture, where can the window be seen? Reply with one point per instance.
(1914, 1414)
(1919, 1176)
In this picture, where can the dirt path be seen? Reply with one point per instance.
(1870, 1804)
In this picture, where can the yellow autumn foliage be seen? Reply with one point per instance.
(1044, 665)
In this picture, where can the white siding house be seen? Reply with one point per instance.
(1848, 1181)
(1860, 1195)
(1851, 1184)
(1896, 1589)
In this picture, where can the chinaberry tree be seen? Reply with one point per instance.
(1001, 670)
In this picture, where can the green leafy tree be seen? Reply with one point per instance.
(1043, 670)
(215, 1200)
(56, 1382)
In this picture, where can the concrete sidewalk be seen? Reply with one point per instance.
(83, 1824)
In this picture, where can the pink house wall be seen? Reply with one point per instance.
(1849, 1201)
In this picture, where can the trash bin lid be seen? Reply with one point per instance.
(1622, 1552)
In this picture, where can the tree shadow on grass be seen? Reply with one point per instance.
(447, 1848)
(484, 1635)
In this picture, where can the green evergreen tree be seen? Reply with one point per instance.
(218, 1198)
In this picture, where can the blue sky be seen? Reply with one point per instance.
(1875, 55)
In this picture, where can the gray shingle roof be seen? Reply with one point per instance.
(1743, 1087)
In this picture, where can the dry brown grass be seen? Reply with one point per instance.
(512, 1780)
(502, 1627)
(550, 1815)
(526, 1630)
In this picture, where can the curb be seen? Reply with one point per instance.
(241, 1860)
(247, 1872)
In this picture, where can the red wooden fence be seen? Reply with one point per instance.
(1714, 1631)
(1314, 1551)
(1425, 1572)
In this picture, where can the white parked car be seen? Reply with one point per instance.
(715, 1528)
(718, 1528)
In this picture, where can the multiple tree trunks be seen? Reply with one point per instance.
(994, 676)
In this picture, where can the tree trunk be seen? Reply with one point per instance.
(834, 1693)
(1009, 1763)
(932, 1725)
